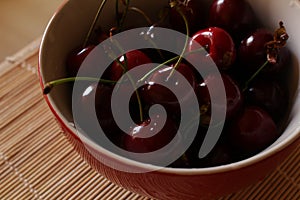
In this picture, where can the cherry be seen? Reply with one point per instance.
(100, 36)
(235, 16)
(101, 104)
(129, 61)
(283, 61)
(234, 96)
(154, 93)
(76, 58)
(222, 153)
(87, 105)
(219, 45)
(269, 95)
(192, 10)
(252, 51)
(252, 131)
(152, 135)
(144, 137)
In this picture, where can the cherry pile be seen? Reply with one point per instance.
(252, 60)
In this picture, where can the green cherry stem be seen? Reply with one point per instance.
(49, 85)
(135, 9)
(122, 20)
(185, 45)
(254, 75)
(117, 12)
(125, 69)
(167, 62)
(92, 27)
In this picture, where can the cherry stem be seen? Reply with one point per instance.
(254, 75)
(125, 69)
(94, 22)
(185, 45)
(135, 9)
(168, 61)
(121, 21)
(49, 85)
(117, 12)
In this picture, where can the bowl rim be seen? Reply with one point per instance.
(178, 171)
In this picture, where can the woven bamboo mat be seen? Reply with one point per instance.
(37, 162)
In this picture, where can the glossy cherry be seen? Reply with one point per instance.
(253, 131)
(87, 107)
(282, 64)
(219, 45)
(76, 58)
(192, 10)
(97, 98)
(252, 51)
(234, 96)
(235, 16)
(150, 135)
(154, 93)
(133, 59)
(269, 95)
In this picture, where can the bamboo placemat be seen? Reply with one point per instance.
(37, 162)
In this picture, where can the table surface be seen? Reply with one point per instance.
(22, 21)
(37, 161)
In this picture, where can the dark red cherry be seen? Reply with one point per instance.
(235, 16)
(282, 64)
(94, 101)
(219, 45)
(96, 98)
(76, 58)
(149, 136)
(192, 10)
(133, 59)
(270, 95)
(253, 131)
(101, 36)
(154, 93)
(234, 97)
(221, 154)
(252, 51)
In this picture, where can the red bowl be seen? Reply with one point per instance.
(68, 28)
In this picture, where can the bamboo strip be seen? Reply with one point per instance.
(93, 189)
(12, 74)
(17, 141)
(104, 190)
(53, 176)
(88, 181)
(123, 195)
(17, 109)
(59, 182)
(85, 196)
(99, 188)
(12, 94)
(115, 193)
(9, 132)
(14, 181)
(19, 101)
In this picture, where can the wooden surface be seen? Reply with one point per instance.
(37, 162)
(21, 21)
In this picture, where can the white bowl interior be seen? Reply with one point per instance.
(69, 26)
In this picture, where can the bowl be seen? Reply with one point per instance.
(67, 30)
